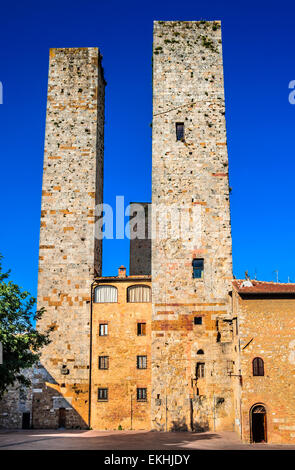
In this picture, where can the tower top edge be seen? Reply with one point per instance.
(185, 22)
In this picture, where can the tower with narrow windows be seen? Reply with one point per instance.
(70, 251)
(192, 326)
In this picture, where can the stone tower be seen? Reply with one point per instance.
(192, 349)
(70, 253)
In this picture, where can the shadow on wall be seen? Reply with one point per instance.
(196, 426)
(51, 409)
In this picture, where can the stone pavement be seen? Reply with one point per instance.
(125, 440)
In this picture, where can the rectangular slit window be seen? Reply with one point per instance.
(141, 394)
(141, 329)
(141, 362)
(103, 362)
(103, 394)
(198, 320)
(103, 329)
(198, 268)
(179, 131)
(200, 370)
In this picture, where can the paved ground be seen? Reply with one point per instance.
(128, 440)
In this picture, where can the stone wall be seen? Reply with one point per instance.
(17, 401)
(141, 246)
(70, 254)
(190, 174)
(266, 330)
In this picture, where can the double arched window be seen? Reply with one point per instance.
(258, 366)
(139, 294)
(105, 294)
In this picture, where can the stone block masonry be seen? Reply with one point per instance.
(70, 254)
(191, 170)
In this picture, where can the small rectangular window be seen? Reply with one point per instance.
(141, 394)
(200, 370)
(198, 268)
(141, 362)
(103, 362)
(198, 320)
(141, 329)
(103, 329)
(179, 131)
(103, 394)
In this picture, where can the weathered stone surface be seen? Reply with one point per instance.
(141, 246)
(188, 89)
(70, 255)
(266, 330)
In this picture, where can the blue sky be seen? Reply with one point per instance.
(258, 51)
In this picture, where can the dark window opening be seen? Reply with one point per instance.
(200, 370)
(103, 362)
(141, 394)
(200, 351)
(26, 421)
(141, 329)
(198, 268)
(198, 321)
(179, 131)
(141, 362)
(103, 394)
(258, 366)
(103, 329)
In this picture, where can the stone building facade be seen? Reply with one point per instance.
(121, 352)
(266, 360)
(70, 252)
(187, 348)
(190, 173)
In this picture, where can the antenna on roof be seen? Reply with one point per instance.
(277, 271)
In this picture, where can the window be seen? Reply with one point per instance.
(230, 367)
(103, 362)
(141, 394)
(141, 329)
(200, 351)
(139, 294)
(198, 320)
(141, 362)
(198, 268)
(200, 370)
(103, 394)
(179, 131)
(258, 366)
(103, 329)
(105, 294)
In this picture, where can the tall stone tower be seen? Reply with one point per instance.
(70, 253)
(192, 348)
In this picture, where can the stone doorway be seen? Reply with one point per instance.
(26, 420)
(258, 424)
(62, 418)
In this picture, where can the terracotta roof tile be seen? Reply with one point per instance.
(242, 286)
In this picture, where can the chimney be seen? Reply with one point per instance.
(122, 271)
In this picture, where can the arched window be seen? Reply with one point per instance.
(258, 366)
(105, 294)
(200, 351)
(139, 294)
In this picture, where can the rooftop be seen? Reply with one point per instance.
(250, 286)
